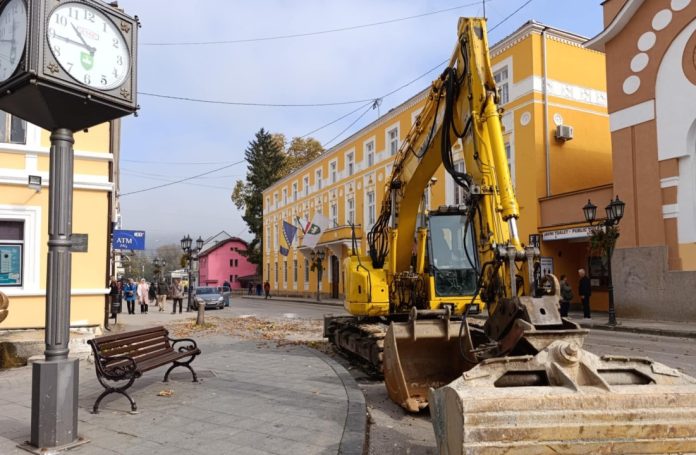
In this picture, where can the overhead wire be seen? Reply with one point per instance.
(319, 32)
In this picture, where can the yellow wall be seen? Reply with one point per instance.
(90, 216)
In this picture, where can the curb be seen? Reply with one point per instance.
(291, 300)
(354, 439)
(642, 330)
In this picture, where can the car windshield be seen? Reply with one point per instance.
(206, 291)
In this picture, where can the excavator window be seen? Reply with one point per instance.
(452, 259)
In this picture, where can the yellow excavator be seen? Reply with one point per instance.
(518, 380)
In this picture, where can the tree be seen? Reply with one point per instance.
(300, 152)
(265, 166)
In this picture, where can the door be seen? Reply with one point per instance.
(334, 277)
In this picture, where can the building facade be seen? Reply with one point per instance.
(24, 152)
(651, 79)
(224, 261)
(549, 84)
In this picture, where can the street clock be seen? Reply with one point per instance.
(67, 63)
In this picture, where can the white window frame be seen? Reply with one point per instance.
(306, 273)
(285, 197)
(275, 236)
(318, 175)
(350, 162)
(333, 171)
(371, 208)
(276, 197)
(502, 81)
(294, 192)
(392, 143)
(350, 209)
(369, 152)
(31, 249)
(334, 214)
(305, 185)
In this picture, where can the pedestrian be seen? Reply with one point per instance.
(115, 298)
(585, 291)
(151, 293)
(177, 292)
(143, 290)
(258, 289)
(267, 289)
(162, 291)
(130, 290)
(566, 296)
(251, 288)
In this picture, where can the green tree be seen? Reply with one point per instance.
(265, 165)
(300, 152)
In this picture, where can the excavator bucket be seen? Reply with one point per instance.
(419, 355)
(566, 400)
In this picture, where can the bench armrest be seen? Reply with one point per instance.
(126, 370)
(190, 346)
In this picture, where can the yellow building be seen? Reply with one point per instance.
(24, 152)
(556, 133)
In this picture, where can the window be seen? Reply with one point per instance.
(11, 253)
(350, 163)
(334, 214)
(294, 276)
(268, 271)
(275, 236)
(285, 272)
(231, 278)
(285, 196)
(13, 130)
(393, 140)
(305, 185)
(306, 270)
(317, 179)
(332, 172)
(277, 200)
(350, 211)
(276, 273)
(268, 203)
(371, 208)
(370, 153)
(508, 153)
(294, 192)
(501, 79)
(231, 262)
(269, 247)
(458, 190)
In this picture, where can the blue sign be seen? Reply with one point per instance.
(128, 240)
(10, 265)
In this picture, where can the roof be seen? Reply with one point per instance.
(207, 250)
(617, 24)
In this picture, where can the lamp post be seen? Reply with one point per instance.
(159, 264)
(606, 238)
(317, 258)
(191, 254)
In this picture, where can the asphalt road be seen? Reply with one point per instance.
(392, 431)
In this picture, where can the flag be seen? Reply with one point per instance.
(303, 223)
(315, 230)
(288, 236)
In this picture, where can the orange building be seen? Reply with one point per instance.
(651, 79)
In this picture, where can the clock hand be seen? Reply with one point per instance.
(72, 41)
(87, 46)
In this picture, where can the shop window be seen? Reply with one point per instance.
(598, 271)
(11, 253)
(13, 130)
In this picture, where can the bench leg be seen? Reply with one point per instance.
(186, 364)
(110, 389)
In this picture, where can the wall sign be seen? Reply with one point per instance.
(10, 265)
(128, 240)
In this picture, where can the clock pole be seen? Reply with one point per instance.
(55, 379)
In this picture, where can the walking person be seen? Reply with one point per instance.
(129, 291)
(162, 292)
(585, 291)
(143, 290)
(115, 295)
(250, 290)
(267, 289)
(566, 296)
(151, 294)
(177, 292)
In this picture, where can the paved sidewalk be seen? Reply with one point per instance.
(324, 301)
(253, 398)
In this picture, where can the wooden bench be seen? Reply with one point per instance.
(126, 356)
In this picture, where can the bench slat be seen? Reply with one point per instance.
(134, 349)
(151, 364)
(129, 340)
(134, 333)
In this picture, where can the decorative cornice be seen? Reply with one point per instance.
(617, 24)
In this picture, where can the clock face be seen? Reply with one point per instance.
(88, 46)
(13, 36)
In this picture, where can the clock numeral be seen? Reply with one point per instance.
(115, 73)
(103, 80)
(119, 60)
(56, 50)
(70, 66)
(62, 20)
(87, 79)
(89, 15)
(105, 30)
(114, 41)
(74, 13)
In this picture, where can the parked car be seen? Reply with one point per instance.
(209, 296)
(225, 292)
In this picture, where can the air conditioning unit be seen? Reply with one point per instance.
(564, 133)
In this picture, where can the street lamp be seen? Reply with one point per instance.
(191, 254)
(317, 258)
(159, 264)
(606, 238)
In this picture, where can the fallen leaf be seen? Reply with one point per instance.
(165, 393)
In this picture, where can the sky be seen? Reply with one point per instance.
(173, 139)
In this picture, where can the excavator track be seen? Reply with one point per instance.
(362, 339)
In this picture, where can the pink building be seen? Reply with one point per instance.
(223, 261)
